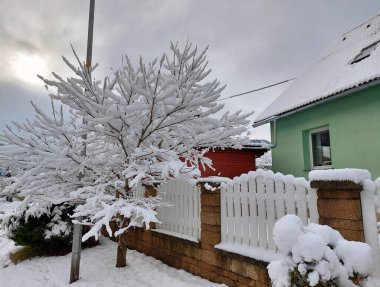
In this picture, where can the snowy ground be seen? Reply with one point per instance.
(6, 245)
(97, 270)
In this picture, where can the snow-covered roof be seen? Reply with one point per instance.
(257, 144)
(334, 72)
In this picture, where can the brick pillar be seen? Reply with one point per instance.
(210, 261)
(210, 217)
(339, 207)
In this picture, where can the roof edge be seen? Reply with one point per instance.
(318, 102)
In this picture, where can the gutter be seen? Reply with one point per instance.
(311, 105)
(257, 147)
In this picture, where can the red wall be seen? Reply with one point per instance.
(231, 162)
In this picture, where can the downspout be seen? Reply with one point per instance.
(273, 143)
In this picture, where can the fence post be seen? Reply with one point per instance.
(348, 208)
(210, 216)
(339, 207)
(76, 251)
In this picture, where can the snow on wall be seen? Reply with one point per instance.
(345, 174)
(355, 175)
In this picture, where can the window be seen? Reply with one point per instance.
(320, 148)
(365, 53)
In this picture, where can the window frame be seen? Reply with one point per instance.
(311, 132)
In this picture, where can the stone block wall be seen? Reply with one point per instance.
(202, 258)
(339, 206)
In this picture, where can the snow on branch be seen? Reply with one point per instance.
(144, 123)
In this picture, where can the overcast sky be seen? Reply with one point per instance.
(253, 43)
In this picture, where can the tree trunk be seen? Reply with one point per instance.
(121, 258)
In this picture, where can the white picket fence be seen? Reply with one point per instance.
(252, 203)
(182, 218)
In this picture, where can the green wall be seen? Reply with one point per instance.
(354, 124)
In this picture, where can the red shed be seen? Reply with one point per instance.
(229, 162)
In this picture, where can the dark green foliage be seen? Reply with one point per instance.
(32, 233)
(299, 280)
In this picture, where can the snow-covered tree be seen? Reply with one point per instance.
(265, 161)
(145, 124)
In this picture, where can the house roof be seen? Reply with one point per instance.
(257, 144)
(335, 71)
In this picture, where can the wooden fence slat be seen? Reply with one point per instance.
(223, 214)
(237, 214)
(197, 215)
(312, 205)
(187, 201)
(181, 195)
(161, 215)
(245, 213)
(279, 198)
(178, 220)
(289, 198)
(253, 228)
(230, 215)
(192, 213)
(301, 203)
(262, 217)
(169, 213)
(270, 207)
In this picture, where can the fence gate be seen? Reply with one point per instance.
(182, 218)
(252, 203)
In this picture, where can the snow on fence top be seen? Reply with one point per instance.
(214, 179)
(268, 174)
(346, 174)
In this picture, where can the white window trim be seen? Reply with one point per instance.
(311, 148)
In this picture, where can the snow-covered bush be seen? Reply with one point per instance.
(317, 255)
(146, 123)
(48, 234)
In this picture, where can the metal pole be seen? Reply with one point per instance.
(90, 34)
(76, 250)
(77, 233)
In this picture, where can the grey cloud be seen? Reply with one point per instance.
(15, 103)
(252, 43)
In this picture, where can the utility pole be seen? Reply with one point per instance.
(77, 234)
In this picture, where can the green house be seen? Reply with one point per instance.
(330, 116)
